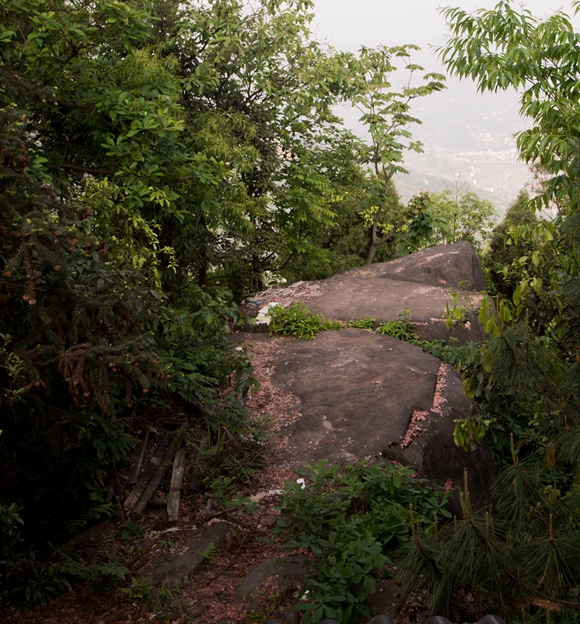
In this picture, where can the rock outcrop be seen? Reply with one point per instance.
(421, 283)
(365, 395)
(451, 266)
(356, 394)
(360, 394)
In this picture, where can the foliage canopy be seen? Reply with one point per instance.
(158, 162)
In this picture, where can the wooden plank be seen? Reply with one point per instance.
(154, 483)
(174, 497)
(139, 459)
(149, 471)
(158, 474)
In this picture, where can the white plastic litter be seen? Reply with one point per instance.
(263, 317)
(301, 482)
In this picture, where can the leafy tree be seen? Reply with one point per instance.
(526, 374)
(157, 160)
(502, 259)
(463, 217)
(89, 145)
(72, 352)
(387, 116)
(505, 48)
(212, 145)
(346, 242)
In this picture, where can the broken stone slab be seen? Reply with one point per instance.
(432, 450)
(173, 568)
(362, 395)
(285, 615)
(263, 317)
(281, 573)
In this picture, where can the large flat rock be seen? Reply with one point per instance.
(363, 395)
(421, 283)
(357, 393)
(360, 293)
(454, 266)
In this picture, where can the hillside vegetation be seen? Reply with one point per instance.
(159, 162)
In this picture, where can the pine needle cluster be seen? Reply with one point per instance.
(522, 554)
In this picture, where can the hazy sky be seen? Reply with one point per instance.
(352, 23)
(349, 24)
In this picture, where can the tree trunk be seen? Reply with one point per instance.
(256, 279)
(372, 253)
(374, 238)
(202, 279)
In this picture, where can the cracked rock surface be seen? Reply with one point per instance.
(361, 395)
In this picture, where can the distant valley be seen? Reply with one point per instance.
(466, 136)
(470, 137)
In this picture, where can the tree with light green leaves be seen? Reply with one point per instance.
(502, 259)
(521, 558)
(157, 161)
(387, 116)
(464, 217)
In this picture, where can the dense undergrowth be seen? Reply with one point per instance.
(158, 163)
(350, 520)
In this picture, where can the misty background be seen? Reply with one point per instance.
(467, 136)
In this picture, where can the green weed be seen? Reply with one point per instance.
(402, 328)
(350, 518)
(234, 444)
(222, 493)
(128, 531)
(299, 322)
(366, 323)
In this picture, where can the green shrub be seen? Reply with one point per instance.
(366, 323)
(299, 322)
(350, 518)
(402, 328)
